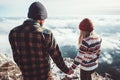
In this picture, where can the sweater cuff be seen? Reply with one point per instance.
(73, 66)
(66, 70)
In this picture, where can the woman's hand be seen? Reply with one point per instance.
(70, 71)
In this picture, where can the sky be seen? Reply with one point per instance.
(19, 8)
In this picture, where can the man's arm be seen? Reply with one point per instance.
(13, 46)
(55, 54)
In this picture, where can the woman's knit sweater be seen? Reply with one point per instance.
(88, 53)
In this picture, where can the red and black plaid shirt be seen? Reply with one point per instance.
(32, 45)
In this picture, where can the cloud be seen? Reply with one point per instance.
(62, 7)
(78, 7)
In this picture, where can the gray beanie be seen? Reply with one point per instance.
(37, 11)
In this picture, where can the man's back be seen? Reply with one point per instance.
(28, 45)
(32, 45)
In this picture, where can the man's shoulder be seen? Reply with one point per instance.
(16, 28)
(45, 31)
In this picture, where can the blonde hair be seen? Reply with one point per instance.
(83, 34)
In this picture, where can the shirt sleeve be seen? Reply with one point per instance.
(55, 54)
(14, 46)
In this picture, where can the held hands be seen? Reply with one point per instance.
(70, 71)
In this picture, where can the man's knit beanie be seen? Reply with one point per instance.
(37, 11)
(86, 25)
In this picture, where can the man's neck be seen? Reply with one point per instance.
(40, 22)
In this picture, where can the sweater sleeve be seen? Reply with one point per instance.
(77, 60)
(80, 55)
(55, 54)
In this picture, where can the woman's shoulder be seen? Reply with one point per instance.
(94, 38)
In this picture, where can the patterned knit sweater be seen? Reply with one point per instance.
(88, 53)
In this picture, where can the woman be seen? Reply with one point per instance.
(89, 50)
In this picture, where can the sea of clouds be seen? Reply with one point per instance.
(66, 32)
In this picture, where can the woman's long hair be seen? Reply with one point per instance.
(84, 34)
(86, 29)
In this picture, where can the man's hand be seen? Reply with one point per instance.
(70, 71)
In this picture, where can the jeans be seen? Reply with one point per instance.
(86, 75)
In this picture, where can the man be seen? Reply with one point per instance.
(32, 45)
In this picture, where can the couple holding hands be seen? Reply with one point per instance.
(33, 45)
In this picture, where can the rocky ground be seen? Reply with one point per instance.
(10, 71)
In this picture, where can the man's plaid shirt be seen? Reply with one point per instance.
(32, 45)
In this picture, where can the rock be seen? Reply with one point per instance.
(10, 71)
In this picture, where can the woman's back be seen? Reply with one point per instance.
(88, 52)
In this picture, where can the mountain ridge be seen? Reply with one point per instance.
(10, 71)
